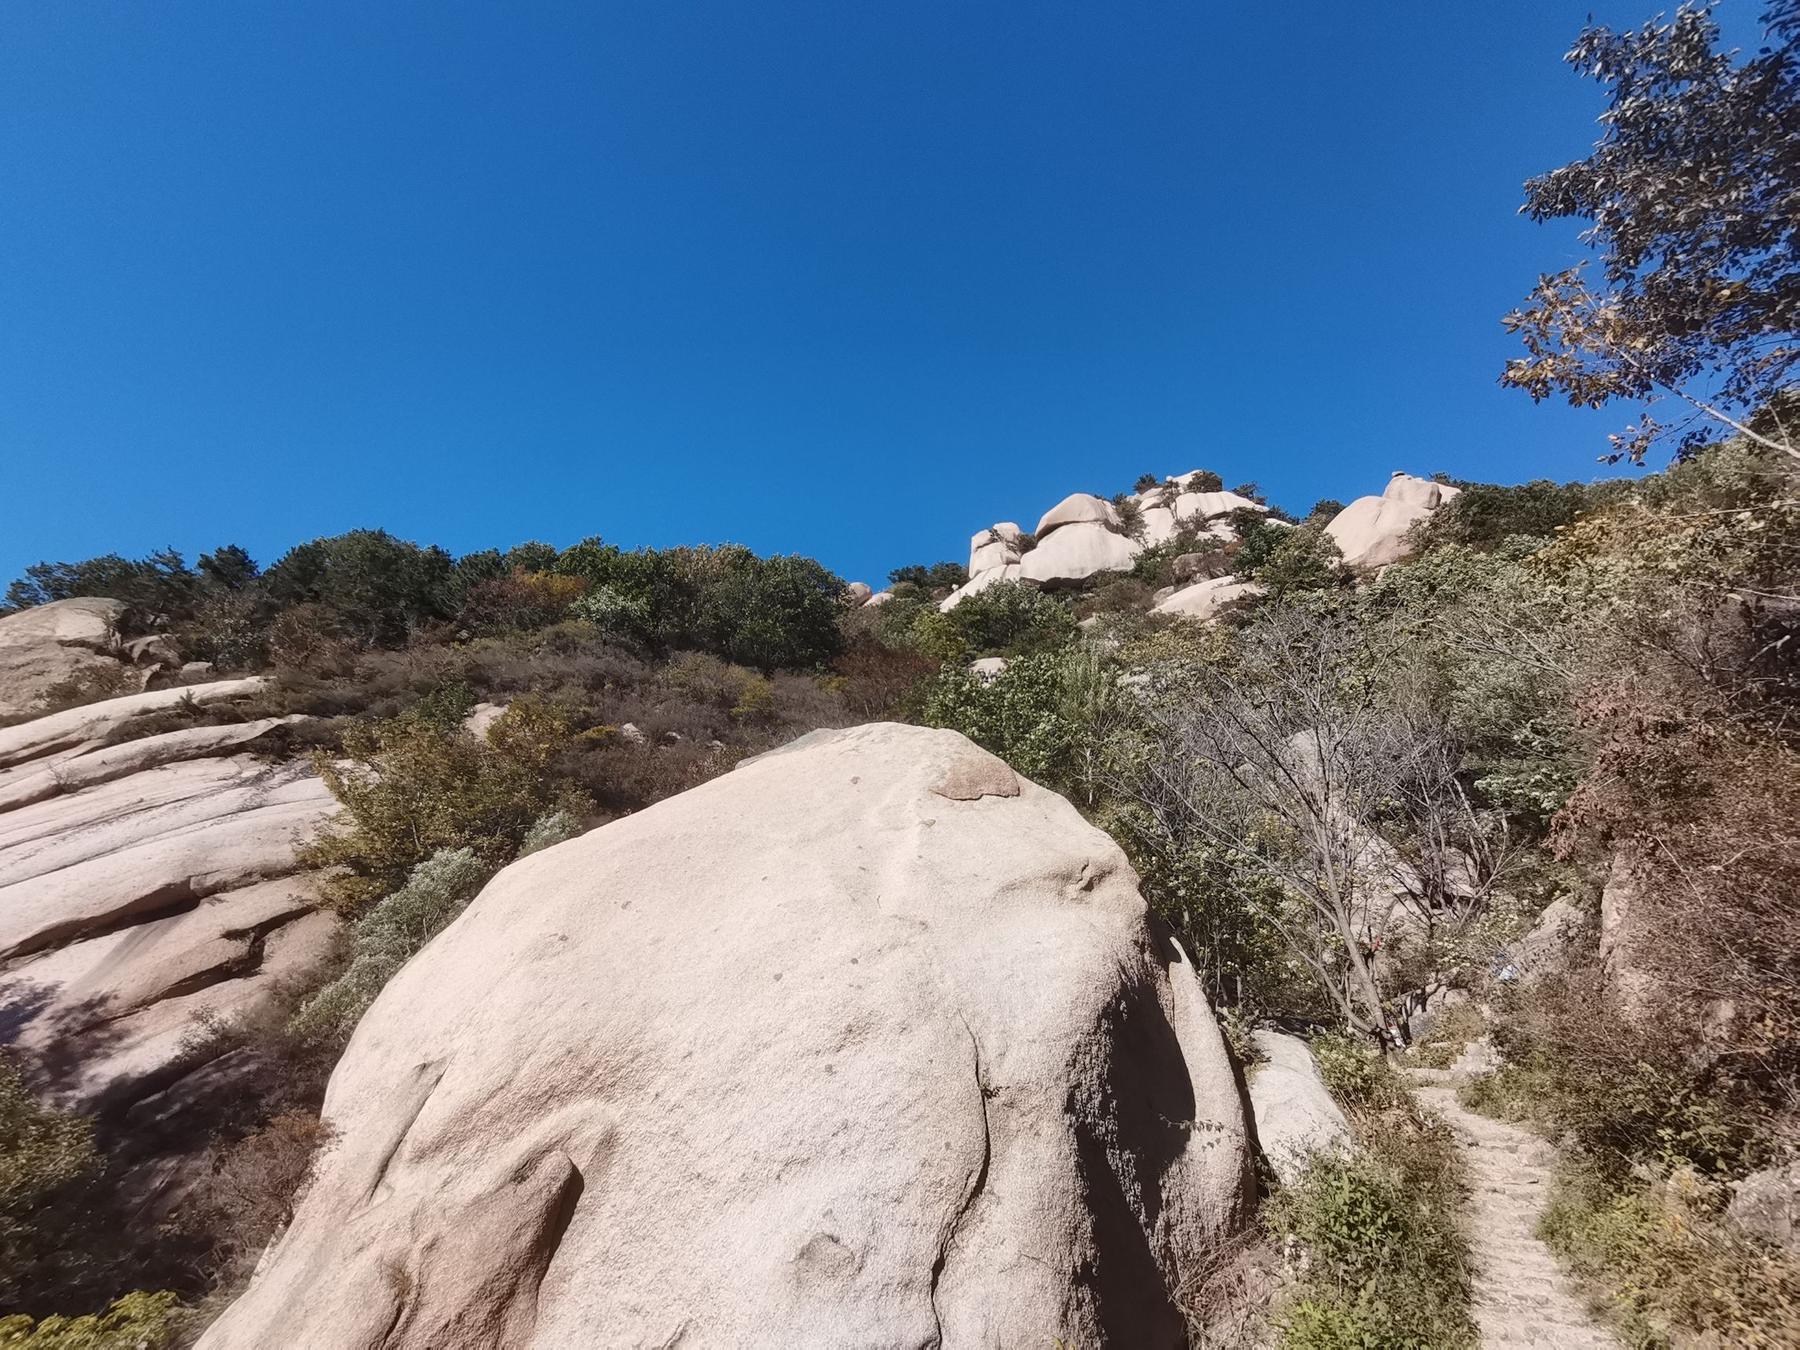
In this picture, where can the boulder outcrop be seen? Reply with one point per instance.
(1205, 600)
(994, 547)
(1372, 532)
(50, 645)
(1077, 551)
(1078, 508)
(146, 888)
(1295, 1114)
(947, 1083)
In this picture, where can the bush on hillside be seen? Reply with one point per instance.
(43, 1153)
(1007, 619)
(1386, 1262)
(392, 932)
(419, 783)
(372, 588)
(136, 1321)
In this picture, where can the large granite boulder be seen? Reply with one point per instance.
(1204, 601)
(1077, 551)
(994, 547)
(1296, 1117)
(50, 645)
(869, 1042)
(1078, 508)
(1372, 532)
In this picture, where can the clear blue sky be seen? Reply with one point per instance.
(850, 279)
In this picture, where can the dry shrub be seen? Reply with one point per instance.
(253, 1184)
(305, 637)
(879, 680)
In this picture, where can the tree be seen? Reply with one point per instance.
(376, 587)
(1287, 759)
(161, 585)
(228, 567)
(1146, 482)
(944, 576)
(1693, 199)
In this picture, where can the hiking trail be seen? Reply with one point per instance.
(1522, 1295)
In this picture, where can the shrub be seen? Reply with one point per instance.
(42, 1154)
(374, 588)
(1131, 516)
(385, 938)
(1007, 619)
(520, 600)
(93, 685)
(1204, 480)
(934, 579)
(418, 783)
(1046, 715)
(250, 1190)
(880, 679)
(137, 1321)
(1623, 1090)
(1146, 482)
(1668, 1267)
(1386, 1264)
(1300, 558)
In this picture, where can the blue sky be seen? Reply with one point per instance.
(845, 279)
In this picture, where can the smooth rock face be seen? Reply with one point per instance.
(1078, 508)
(879, 598)
(1295, 1114)
(145, 886)
(988, 667)
(1558, 933)
(847, 1047)
(1211, 505)
(1372, 531)
(49, 644)
(80, 729)
(857, 592)
(1076, 552)
(1204, 600)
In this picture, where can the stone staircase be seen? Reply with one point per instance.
(1522, 1296)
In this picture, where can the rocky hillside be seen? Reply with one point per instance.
(424, 935)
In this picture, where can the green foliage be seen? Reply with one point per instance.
(1006, 619)
(161, 584)
(376, 588)
(137, 1321)
(1485, 516)
(418, 784)
(933, 579)
(1131, 515)
(1690, 199)
(1386, 1264)
(1668, 1267)
(1146, 482)
(229, 568)
(1039, 715)
(1204, 480)
(1300, 558)
(390, 934)
(42, 1152)
(550, 829)
(1324, 509)
(1356, 1073)
(771, 613)
(1622, 1090)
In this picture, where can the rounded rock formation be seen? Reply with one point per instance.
(869, 1042)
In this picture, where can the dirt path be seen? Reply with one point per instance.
(1522, 1297)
